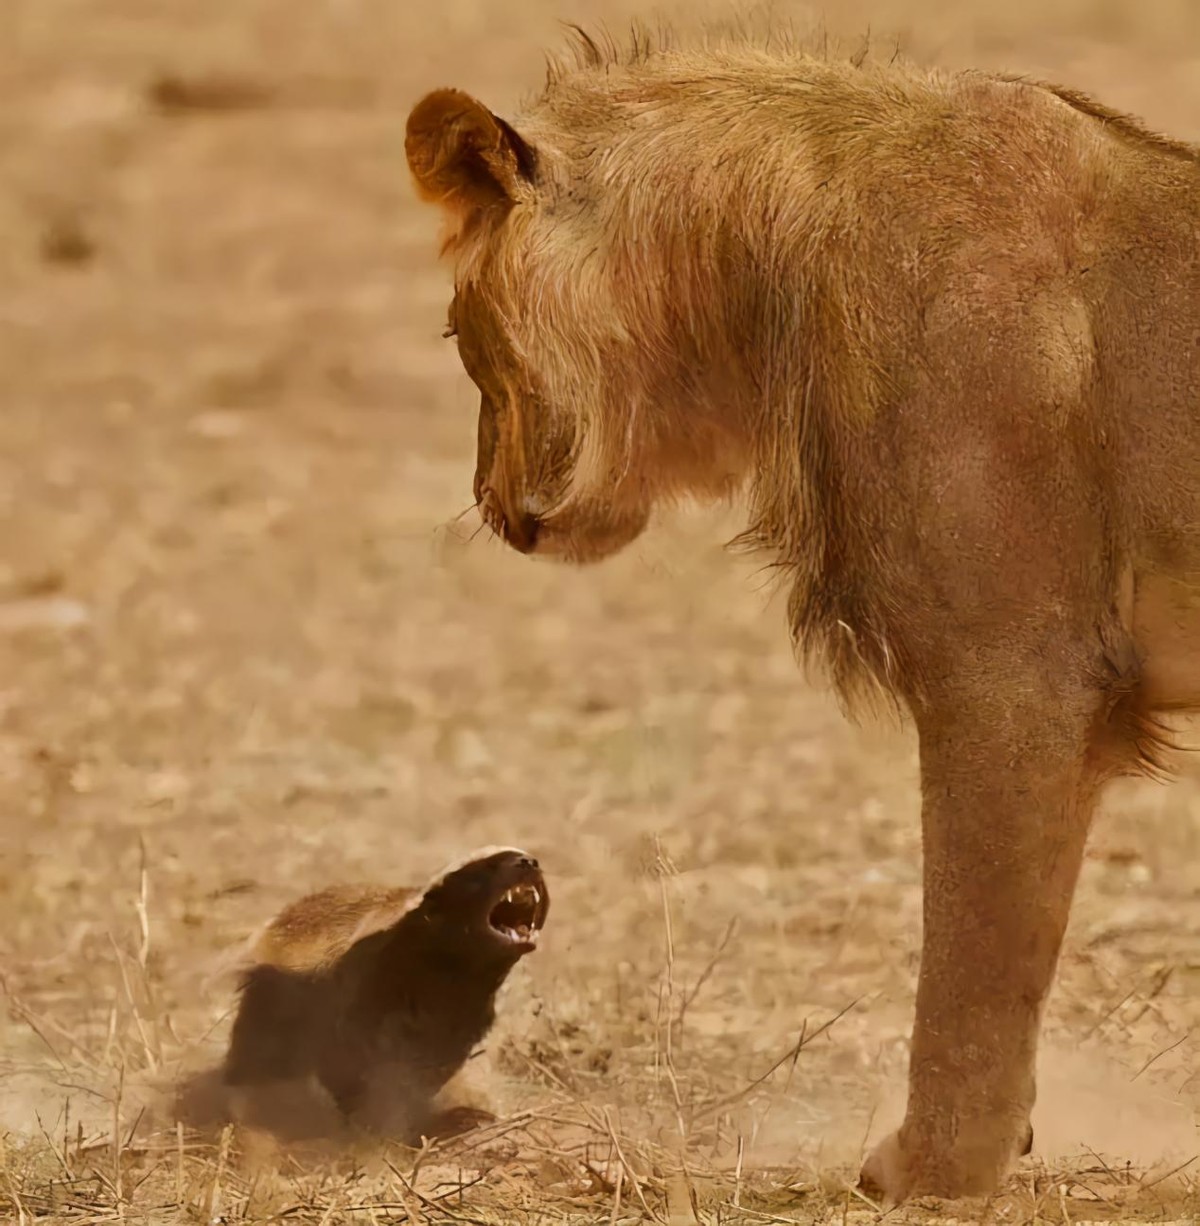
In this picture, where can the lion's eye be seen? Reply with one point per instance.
(451, 321)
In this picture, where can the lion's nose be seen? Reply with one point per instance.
(520, 530)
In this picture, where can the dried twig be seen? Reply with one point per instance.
(790, 1055)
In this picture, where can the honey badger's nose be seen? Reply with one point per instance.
(527, 862)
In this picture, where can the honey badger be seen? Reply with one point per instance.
(373, 997)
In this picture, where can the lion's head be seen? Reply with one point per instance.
(581, 365)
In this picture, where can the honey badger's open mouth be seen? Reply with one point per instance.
(519, 915)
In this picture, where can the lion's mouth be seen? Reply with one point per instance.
(519, 915)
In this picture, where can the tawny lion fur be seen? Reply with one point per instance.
(943, 333)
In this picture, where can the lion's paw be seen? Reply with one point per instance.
(894, 1174)
(885, 1173)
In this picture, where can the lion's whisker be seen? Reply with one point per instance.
(474, 506)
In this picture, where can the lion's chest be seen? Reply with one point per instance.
(1166, 630)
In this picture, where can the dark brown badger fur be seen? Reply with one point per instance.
(379, 996)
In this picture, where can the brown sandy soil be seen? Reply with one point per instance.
(246, 649)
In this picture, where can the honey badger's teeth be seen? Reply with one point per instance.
(521, 895)
(515, 914)
(522, 932)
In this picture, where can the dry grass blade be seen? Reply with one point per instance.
(434, 1202)
(1183, 1166)
(618, 1184)
(629, 1171)
(148, 1047)
(10, 1182)
(59, 1155)
(758, 1215)
(788, 1056)
(1154, 1059)
(142, 907)
(706, 974)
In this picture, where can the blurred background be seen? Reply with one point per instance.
(248, 646)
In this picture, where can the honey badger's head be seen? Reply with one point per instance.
(492, 905)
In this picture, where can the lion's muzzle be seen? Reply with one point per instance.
(518, 529)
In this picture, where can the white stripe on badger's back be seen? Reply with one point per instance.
(472, 857)
(317, 929)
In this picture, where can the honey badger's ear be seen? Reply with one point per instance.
(462, 156)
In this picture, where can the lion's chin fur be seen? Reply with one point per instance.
(571, 538)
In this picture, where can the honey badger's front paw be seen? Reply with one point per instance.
(454, 1121)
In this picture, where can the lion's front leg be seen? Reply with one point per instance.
(1008, 791)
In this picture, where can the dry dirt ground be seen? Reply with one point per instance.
(246, 649)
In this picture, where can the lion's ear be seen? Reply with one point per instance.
(462, 156)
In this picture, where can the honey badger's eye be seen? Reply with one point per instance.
(451, 320)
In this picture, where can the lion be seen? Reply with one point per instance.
(942, 332)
